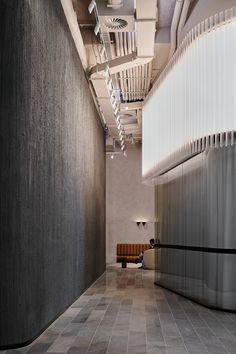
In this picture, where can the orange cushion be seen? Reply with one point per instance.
(132, 250)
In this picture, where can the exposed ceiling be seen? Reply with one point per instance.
(125, 57)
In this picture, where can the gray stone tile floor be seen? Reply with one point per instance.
(123, 312)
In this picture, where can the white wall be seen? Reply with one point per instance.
(127, 200)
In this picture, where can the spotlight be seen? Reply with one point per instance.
(102, 50)
(112, 156)
(113, 101)
(91, 6)
(106, 71)
(109, 84)
(97, 28)
(116, 110)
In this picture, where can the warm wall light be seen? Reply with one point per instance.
(141, 224)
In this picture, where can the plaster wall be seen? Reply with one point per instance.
(127, 201)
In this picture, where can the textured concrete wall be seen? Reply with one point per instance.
(128, 200)
(52, 176)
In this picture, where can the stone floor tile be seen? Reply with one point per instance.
(125, 313)
(177, 350)
(196, 348)
(118, 344)
(229, 344)
(39, 348)
(174, 341)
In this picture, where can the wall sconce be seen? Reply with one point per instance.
(141, 224)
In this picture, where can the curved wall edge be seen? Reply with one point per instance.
(196, 205)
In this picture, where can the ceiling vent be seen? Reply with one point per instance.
(114, 23)
(116, 20)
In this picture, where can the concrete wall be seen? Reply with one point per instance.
(128, 200)
(52, 176)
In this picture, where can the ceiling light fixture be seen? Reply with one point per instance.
(91, 6)
(106, 71)
(102, 50)
(109, 84)
(96, 29)
(116, 110)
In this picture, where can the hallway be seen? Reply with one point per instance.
(124, 312)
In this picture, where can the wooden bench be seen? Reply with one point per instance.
(129, 252)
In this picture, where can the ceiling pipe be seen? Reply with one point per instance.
(182, 20)
(174, 26)
(115, 4)
(145, 24)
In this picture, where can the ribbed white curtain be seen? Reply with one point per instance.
(197, 97)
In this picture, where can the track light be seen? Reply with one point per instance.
(109, 84)
(97, 28)
(91, 6)
(102, 50)
(113, 102)
(116, 110)
(106, 71)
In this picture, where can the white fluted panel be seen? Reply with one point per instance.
(196, 98)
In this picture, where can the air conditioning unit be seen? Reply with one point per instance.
(119, 19)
